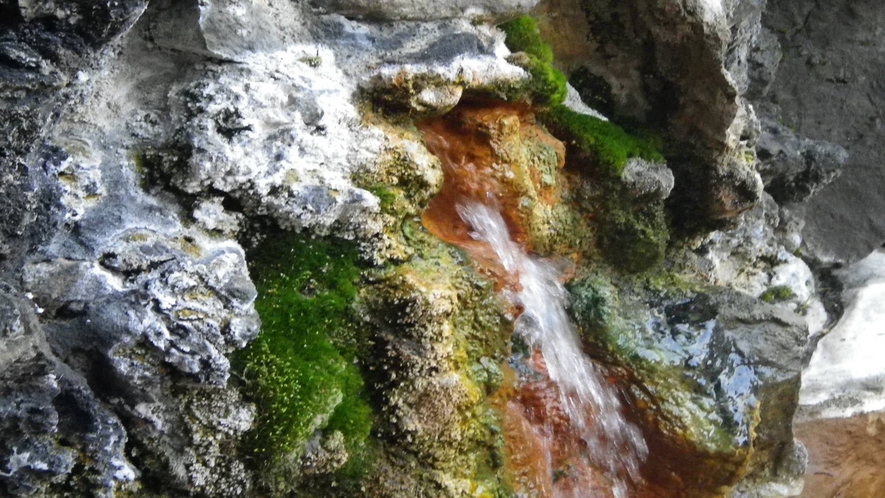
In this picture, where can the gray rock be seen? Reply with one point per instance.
(764, 59)
(645, 178)
(738, 360)
(42, 46)
(828, 88)
(681, 68)
(50, 418)
(846, 377)
(794, 168)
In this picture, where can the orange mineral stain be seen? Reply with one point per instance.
(546, 457)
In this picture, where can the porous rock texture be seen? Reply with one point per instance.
(147, 146)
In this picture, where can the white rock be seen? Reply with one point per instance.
(846, 375)
(573, 101)
(427, 9)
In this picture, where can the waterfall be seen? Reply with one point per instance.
(614, 446)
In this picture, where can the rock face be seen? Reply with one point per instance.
(793, 168)
(827, 88)
(845, 374)
(653, 63)
(150, 152)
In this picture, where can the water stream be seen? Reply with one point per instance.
(594, 412)
(566, 434)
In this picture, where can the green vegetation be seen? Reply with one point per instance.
(777, 294)
(633, 234)
(300, 368)
(523, 36)
(548, 85)
(605, 142)
(386, 196)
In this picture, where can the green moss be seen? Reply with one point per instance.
(547, 86)
(777, 294)
(523, 35)
(300, 369)
(386, 196)
(633, 235)
(607, 144)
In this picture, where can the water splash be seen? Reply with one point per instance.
(614, 446)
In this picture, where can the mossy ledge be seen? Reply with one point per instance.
(606, 143)
(300, 370)
(548, 85)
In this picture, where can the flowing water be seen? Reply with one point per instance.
(614, 446)
(567, 436)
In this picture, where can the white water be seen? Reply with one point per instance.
(615, 446)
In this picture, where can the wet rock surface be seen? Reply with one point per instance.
(716, 372)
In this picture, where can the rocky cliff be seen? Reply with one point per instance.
(234, 259)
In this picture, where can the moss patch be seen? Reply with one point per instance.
(777, 294)
(548, 85)
(300, 369)
(603, 142)
(633, 234)
(523, 35)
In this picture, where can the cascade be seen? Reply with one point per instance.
(571, 415)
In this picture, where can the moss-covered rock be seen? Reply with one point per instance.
(633, 234)
(777, 294)
(602, 142)
(523, 35)
(711, 372)
(301, 369)
(439, 334)
(547, 86)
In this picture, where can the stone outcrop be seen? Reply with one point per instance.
(677, 66)
(827, 89)
(151, 151)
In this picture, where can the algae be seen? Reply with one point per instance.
(633, 234)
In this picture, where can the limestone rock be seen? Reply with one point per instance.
(640, 58)
(646, 178)
(50, 417)
(845, 375)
